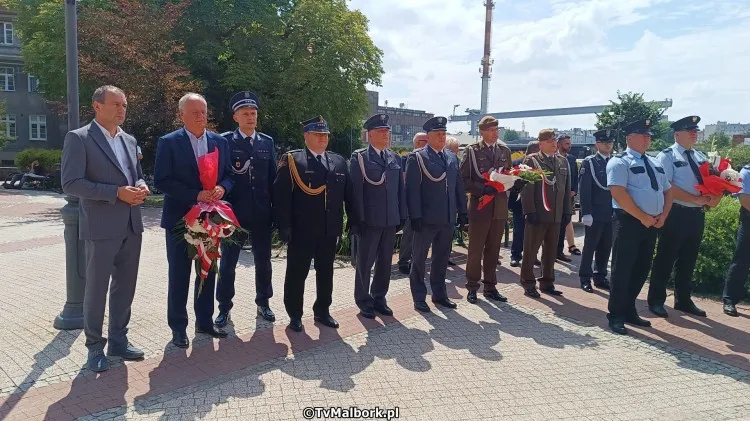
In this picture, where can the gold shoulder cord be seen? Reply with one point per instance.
(298, 181)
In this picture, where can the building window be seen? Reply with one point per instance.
(9, 121)
(397, 128)
(7, 79)
(7, 36)
(38, 127)
(33, 83)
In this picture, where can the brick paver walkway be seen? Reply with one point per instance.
(528, 359)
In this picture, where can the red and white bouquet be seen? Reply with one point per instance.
(718, 176)
(207, 224)
(503, 180)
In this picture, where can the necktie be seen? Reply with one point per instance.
(382, 155)
(442, 156)
(650, 172)
(324, 164)
(693, 165)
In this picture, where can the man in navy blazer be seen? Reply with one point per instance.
(176, 174)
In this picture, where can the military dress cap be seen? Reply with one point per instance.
(315, 125)
(687, 123)
(243, 99)
(378, 121)
(639, 127)
(435, 124)
(488, 121)
(605, 135)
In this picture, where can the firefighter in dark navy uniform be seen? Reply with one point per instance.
(596, 208)
(253, 162)
(311, 188)
(380, 202)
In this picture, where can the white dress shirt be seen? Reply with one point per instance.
(117, 144)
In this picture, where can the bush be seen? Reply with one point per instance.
(717, 247)
(740, 156)
(47, 157)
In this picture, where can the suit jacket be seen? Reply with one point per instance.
(91, 172)
(558, 194)
(253, 171)
(436, 202)
(573, 163)
(471, 175)
(176, 173)
(310, 216)
(378, 205)
(596, 199)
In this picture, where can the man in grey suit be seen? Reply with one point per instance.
(99, 165)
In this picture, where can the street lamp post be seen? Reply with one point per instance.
(71, 316)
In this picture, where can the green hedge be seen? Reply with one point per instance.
(717, 247)
(740, 156)
(47, 157)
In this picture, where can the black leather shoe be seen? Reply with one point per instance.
(383, 309)
(690, 308)
(367, 314)
(618, 327)
(180, 339)
(422, 306)
(586, 286)
(471, 297)
(445, 302)
(564, 258)
(452, 263)
(636, 320)
(658, 309)
(730, 309)
(515, 263)
(327, 321)
(537, 262)
(129, 352)
(295, 325)
(602, 284)
(551, 291)
(266, 313)
(404, 269)
(495, 296)
(531, 292)
(222, 319)
(212, 331)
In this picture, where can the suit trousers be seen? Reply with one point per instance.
(180, 271)
(439, 237)
(299, 255)
(118, 259)
(561, 239)
(734, 288)
(516, 247)
(598, 241)
(543, 235)
(407, 242)
(375, 248)
(260, 239)
(677, 250)
(485, 239)
(632, 253)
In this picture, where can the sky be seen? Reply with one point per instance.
(563, 53)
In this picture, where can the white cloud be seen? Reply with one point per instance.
(561, 53)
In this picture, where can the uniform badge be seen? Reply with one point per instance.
(440, 120)
(382, 117)
(237, 164)
(695, 118)
(247, 94)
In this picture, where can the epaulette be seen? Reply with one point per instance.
(622, 155)
(265, 136)
(227, 134)
(334, 154)
(747, 167)
(668, 150)
(359, 150)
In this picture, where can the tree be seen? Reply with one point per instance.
(629, 108)
(511, 136)
(302, 58)
(719, 141)
(141, 57)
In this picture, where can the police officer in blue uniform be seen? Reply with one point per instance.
(734, 288)
(312, 185)
(596, 208)
(434, 196)
(253, 162)
(680, 239)
(380, 204)
(641, 198)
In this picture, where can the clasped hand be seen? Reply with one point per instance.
(133, 196)
(209, 196)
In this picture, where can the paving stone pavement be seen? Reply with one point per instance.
(530, 359)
